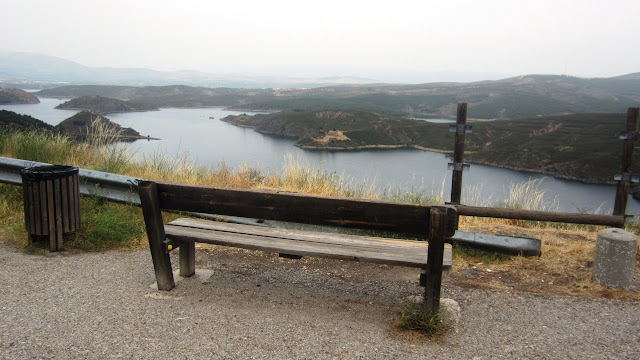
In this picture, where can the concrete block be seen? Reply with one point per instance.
(615, 258)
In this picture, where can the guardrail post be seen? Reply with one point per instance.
(458, 153)
(630, 136)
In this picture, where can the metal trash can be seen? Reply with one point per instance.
(51, 202)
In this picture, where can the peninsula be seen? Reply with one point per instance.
(579, 146)
(104, 105)
(17, 96)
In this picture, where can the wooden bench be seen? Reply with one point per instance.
(418, 221)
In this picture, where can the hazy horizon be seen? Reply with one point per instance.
(375, 40)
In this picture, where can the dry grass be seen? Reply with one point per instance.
(565, 266)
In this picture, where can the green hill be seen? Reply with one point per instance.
(519, 97)
(103, 105)
(82, 123)
(582, 147)
(10, 119)
(17, 96)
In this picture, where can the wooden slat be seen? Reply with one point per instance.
(42, 187)
(51, 214)
(37, 220)
(76, 209)
(57, 191)
(305, 243)
(354, 240)
(64, 197)
(72, 203)
(310, 209)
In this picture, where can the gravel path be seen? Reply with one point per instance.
(255, 305)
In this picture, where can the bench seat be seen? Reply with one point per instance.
(287, 242)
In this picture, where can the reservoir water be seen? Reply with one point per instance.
(210, 142)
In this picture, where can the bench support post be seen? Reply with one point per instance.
(437, 233)
(187, 258)
(155, 232)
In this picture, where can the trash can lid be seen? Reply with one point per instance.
(48, 172)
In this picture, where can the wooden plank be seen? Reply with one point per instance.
(52, 216)
(58, 213)
(458, 155)
(310, 209)
(434, 263)
(64, 199)
(37, 219)
(413, 254)
(302, 235)
(76, 183)
(155, 232)
(622, 190)
(44, 218)
(607, 220)
(72, 203)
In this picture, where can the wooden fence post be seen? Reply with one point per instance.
(458, 153)
(630, 136)
(437, 233)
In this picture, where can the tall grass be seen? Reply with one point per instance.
(110, 155)
(42, 146)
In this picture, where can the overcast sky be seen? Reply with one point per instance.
(581, 38)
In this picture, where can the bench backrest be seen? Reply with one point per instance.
(301, 208)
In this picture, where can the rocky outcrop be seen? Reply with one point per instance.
(86, 122)
(103, 105)
(17, 96)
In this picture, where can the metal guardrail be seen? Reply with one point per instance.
(113, 187)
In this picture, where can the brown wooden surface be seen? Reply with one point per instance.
(72, 203)
(155, 233)
(622, 190)
(434, 264)
(187, 259)
(304, 243)
(458, 155)
(309, 209)
(57, 199)
(76, 183)
(64, 194)
(606, 220)
(51, 216)
(42, 186)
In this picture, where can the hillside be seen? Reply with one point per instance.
(103, 105)
(84, 122)
(579, 147)
(17, 96)
(10, 119)
(519, 97)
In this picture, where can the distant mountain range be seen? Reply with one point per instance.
(21, 67)
(518, 97)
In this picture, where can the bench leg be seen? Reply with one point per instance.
(187, 258)
(155, 232)
(437, 232)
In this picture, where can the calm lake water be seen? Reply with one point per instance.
(210, 142)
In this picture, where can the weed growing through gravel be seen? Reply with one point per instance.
(416, 317)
